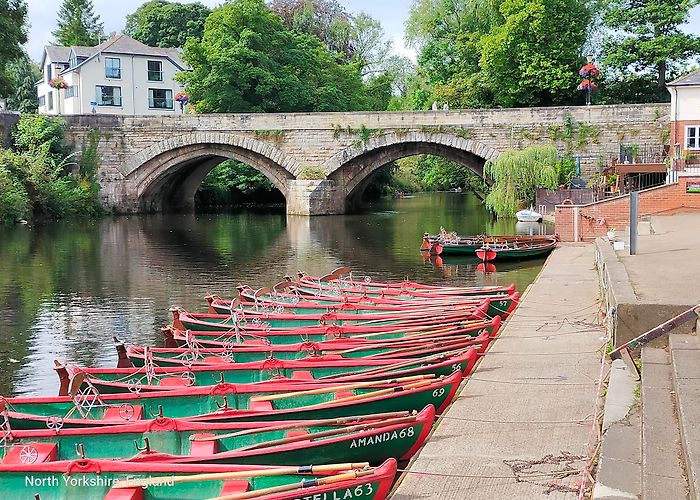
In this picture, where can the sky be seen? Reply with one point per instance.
(42, 18)
(391, 13)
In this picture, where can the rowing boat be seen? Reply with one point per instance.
(228, 402)
(372, 438)
(515, 249)
(118, 480)
(317, 369)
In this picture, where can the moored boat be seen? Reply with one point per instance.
(117, 480)
(228, 402)
(371, 438)
(516, 250)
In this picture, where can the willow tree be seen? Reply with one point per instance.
(516, 176)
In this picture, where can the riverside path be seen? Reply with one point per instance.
(522, 425)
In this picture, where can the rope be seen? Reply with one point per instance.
(482, 476)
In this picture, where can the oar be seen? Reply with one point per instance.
(223, 476)
(302, 424)
(386, 368)
(338, 478)
(381, 392)
(336, 388)
(331, 432)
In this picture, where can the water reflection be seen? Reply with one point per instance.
(67, 288)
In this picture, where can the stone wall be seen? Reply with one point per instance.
(587, 222)
(322, 140)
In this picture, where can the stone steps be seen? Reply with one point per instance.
(662, 455)
(685, 373)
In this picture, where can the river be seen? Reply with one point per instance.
(67, 288)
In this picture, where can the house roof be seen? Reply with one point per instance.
(691, 79)
(118, 44)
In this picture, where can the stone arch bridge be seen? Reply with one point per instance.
(321, 162)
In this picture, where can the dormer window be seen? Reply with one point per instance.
(113, 67)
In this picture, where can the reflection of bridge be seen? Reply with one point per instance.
(153, 164)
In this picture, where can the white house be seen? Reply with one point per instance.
(685, 113)
(121, 76)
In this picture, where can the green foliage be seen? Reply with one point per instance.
(531, 58)
(311, 173)
(78, 24)
(13, 33)
(14, 200)
(516, 176)
(160, 23)
(35, 176)
(233, 182)
(248, 61)
(23, 74)
(646, 36)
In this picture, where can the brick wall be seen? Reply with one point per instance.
(594, 219)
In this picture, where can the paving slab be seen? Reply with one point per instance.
(663, 470)
(521, 425)
(685, 358)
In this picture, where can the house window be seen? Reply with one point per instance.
(42, 100)
(50, 94)
(108, 96)
(160, 98)
(692, 137)
(155, 71)
(113, 67)
(72, 91)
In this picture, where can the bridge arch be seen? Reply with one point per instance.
(353, 167)
(168, 173)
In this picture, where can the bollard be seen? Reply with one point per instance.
(634, 203)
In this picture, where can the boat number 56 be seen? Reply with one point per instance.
(438, 392)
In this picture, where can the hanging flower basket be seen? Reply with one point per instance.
(182, 98)
(58, 83)
(589, 70)
(586, 84)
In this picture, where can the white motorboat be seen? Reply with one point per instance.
(528, 215)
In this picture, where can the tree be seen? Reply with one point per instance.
(532, 58)
(78, 24)
(160, 23)
(516, 176)
(13, 33)
(647, 38)
(248, 61)
(327, 20)
(23, 74)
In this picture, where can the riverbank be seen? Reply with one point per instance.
(522, 426)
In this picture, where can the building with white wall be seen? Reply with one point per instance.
(121, 76)
(685, 114)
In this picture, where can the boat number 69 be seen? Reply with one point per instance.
(438, 392)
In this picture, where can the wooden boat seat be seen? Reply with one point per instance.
(31, 453)
(261, 406)
(234, 487)
(124, 413)
(296, 432)
(302, 375)
(174, 382)
(203, 448)
(343, 394)
(215, 359)
(125, 494)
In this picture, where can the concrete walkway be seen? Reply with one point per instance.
(666, 261)
(513, 431)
